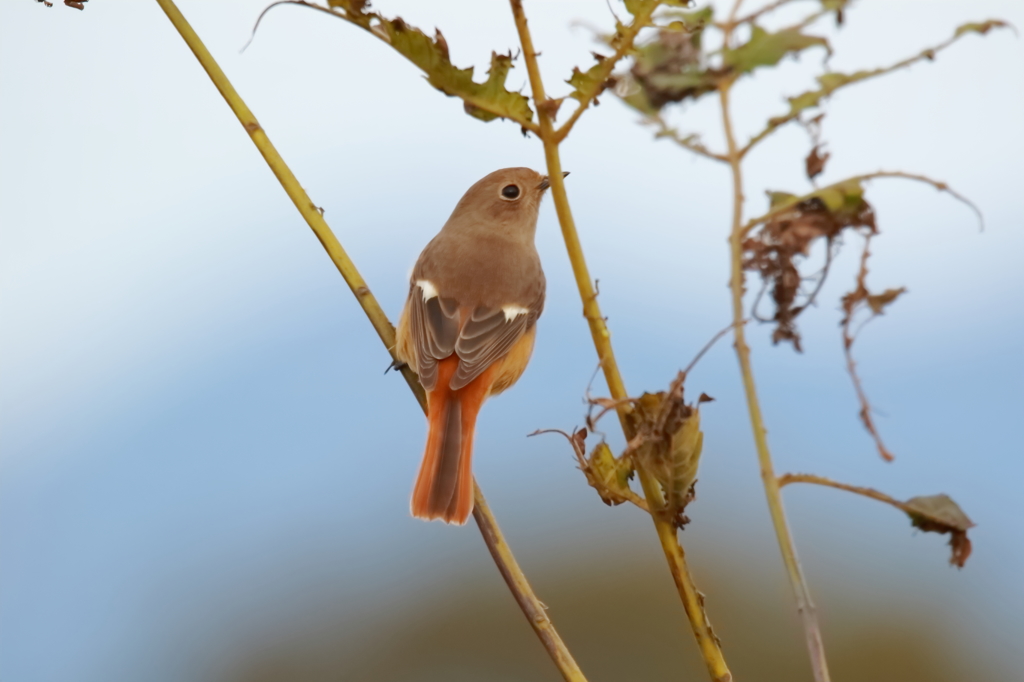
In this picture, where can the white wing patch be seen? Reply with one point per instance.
(429, 290)
(513, 311)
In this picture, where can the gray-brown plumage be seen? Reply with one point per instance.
(468, 325)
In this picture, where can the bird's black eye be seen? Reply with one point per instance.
(510, 191)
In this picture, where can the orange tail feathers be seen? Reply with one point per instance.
(444, 486)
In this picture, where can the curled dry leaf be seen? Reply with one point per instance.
(815, 162)
(940, 514)
(608, 475)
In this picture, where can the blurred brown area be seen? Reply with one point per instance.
(623, 621)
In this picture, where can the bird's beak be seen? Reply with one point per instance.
(546, 182)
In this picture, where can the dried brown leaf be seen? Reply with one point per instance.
(940, 514)
(815, 162)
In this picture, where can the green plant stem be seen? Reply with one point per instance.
(532, 607)
(801, 591)
(591, 309)
(674, 555)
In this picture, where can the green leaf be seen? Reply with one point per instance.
(589, 83)
(635, 7)
(487, 100)
(829, 82)
(940, 514)
(691, 21)
(776, 199)
(768, 49)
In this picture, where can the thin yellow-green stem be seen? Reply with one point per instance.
(310, 212)
(693, 602)
(801, 591)
(591, 309)
(532, 607)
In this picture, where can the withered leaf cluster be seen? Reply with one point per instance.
(776, 248)
(668, 445)
(673, 67)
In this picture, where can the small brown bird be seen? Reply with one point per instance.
(468, 326)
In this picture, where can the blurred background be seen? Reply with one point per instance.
(204, 472)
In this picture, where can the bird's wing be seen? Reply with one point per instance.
(486, 336)
(434, 326)
(440, 327)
